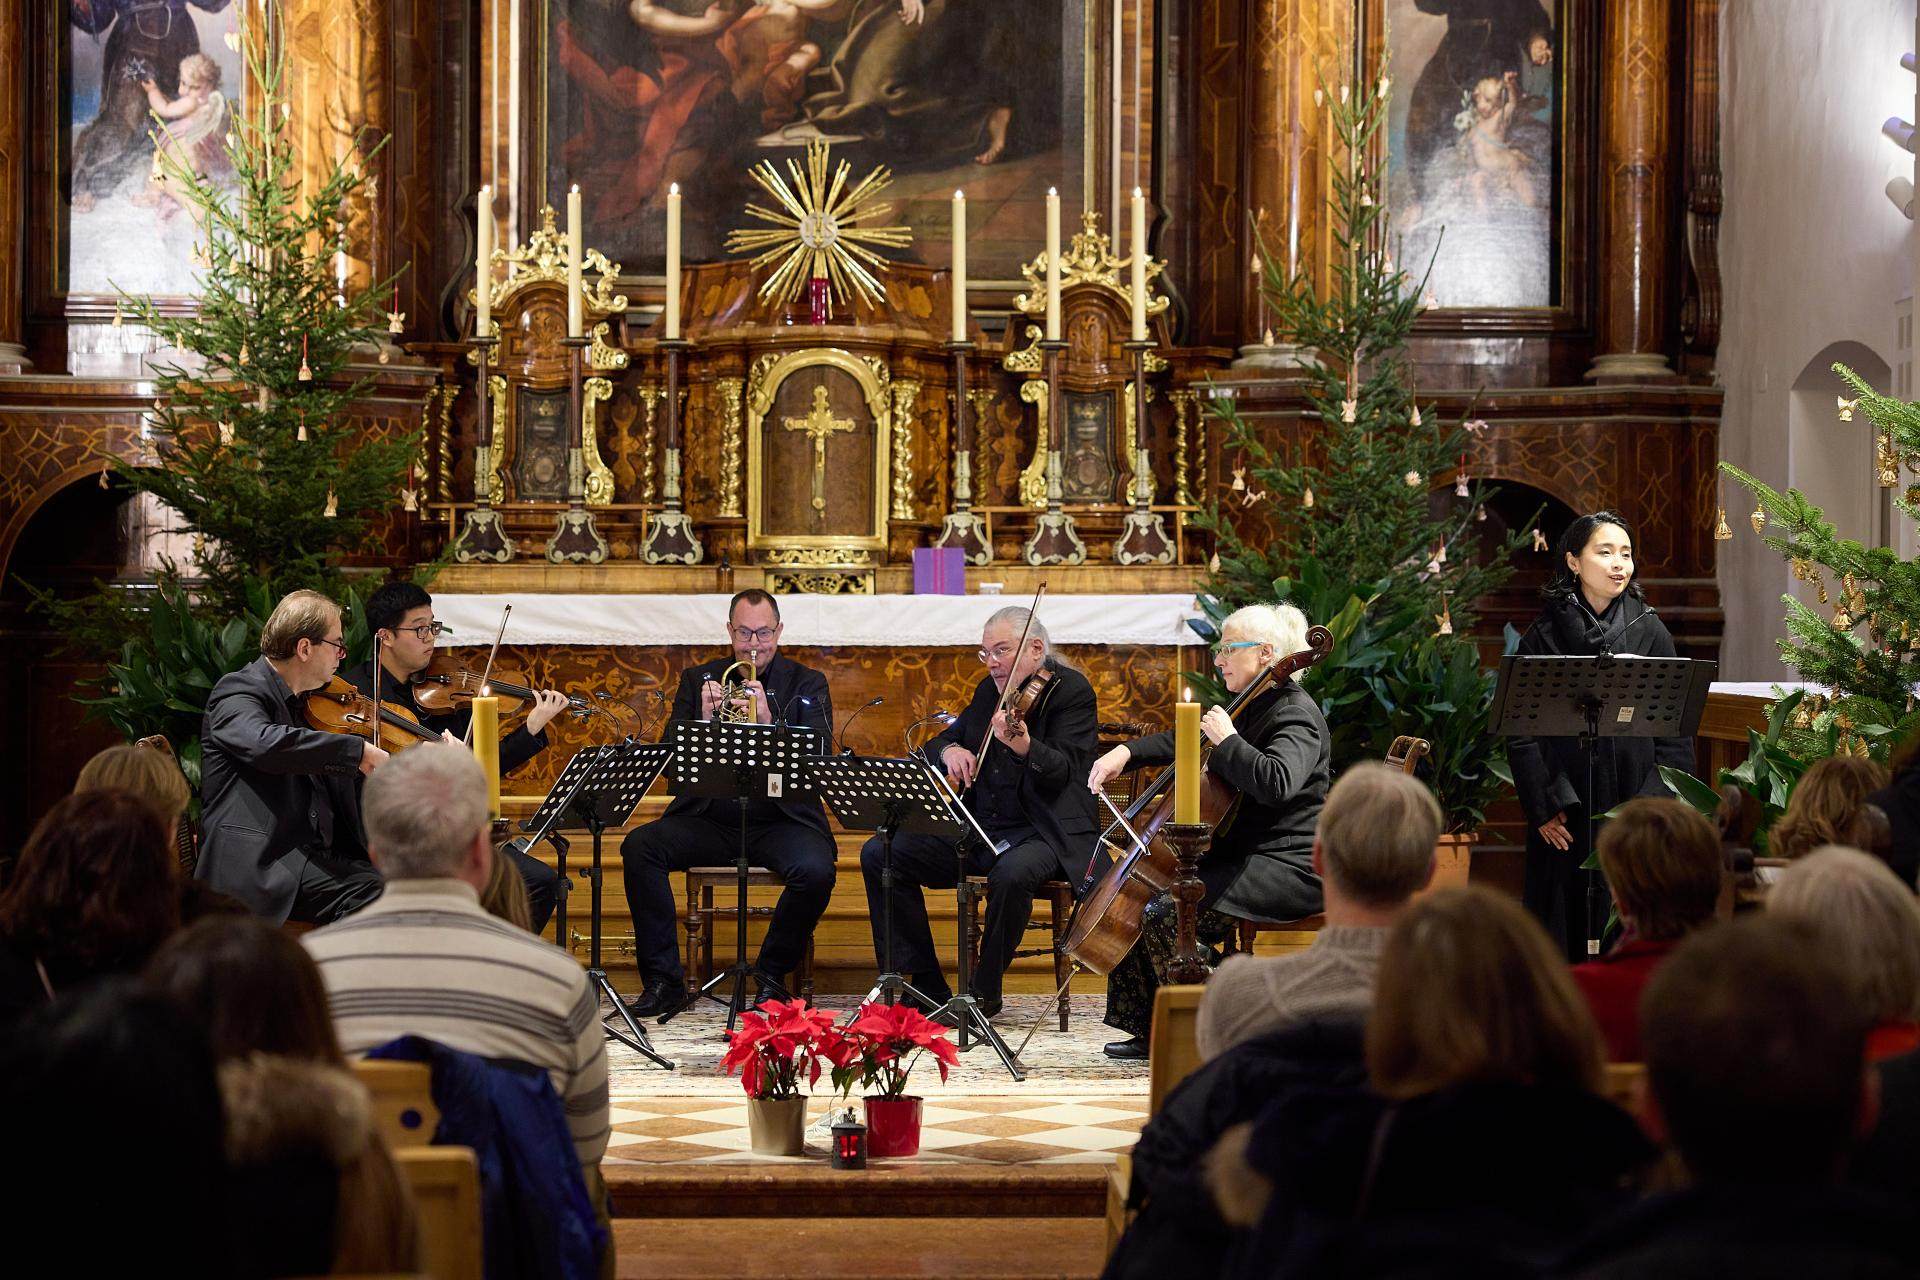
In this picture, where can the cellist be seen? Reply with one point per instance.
(1276, 755)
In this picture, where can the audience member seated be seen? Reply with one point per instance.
(92, 893)
(1484, 1146)
(1373, 850)
(155, 777)
(506, 896)
(1757, 1076)
(1872, 924)
(1663, 862)
(1826, 807)
(251, 987)
(1900, 801)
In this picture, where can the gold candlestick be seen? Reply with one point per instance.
(962, 528)
(483, 537)
(576, 539)
(670, 537)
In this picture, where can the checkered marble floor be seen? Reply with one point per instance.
(998, 1130)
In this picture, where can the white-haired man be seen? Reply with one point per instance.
(1275, 754)
(1373, 851)
(426, 959)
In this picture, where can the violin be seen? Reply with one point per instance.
(338, 707)
(447, 684)
(1030, 689)
(1107, 921)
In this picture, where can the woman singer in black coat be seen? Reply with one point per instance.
(1592, 606)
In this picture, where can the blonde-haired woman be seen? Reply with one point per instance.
(1275, 754)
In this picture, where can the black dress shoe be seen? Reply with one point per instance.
(658, 1001)
(1132, 1049)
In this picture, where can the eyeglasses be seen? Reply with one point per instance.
(760, 634)
(1227, 646)
(340, 645)
(999, 653)
(427, 630)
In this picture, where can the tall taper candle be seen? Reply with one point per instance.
(486, 747)
(1053, 265)
(959, 266)
(1139, 266)
(672, 317)
(1186, 759)
(483, 268)
(575, 302)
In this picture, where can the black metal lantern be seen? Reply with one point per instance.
(849, 1143)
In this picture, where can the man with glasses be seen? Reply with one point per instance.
(789, 837)
(278, 831)
(400, 614)
(1029, 794)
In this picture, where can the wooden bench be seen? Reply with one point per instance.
(445, 1183)
(402, 1093)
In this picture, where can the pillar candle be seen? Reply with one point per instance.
(1186, 759)
(1139, 266)
(1053, 265)
(672, 317)
(575, 303)
(483, 270)
(959, 266)
(486, 748)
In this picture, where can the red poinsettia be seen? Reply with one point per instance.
(779, 1043)
(886, 1040)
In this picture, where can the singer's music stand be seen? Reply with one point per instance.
(735, 761)
(1595, 697)
(599, 788)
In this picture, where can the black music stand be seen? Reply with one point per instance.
(599, 788)
(1595, 697)
(741, 761)
(891, 797)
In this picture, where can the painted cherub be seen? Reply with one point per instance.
(1496, 165)
(191, 135)
(768, 49)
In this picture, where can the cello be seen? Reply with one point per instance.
(1108, 919)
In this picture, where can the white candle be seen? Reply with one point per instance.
(1139, 266)
(483, 269)
(959, 266)
(575, 303)
(673, 262)
(1053, 265)
(340, 274)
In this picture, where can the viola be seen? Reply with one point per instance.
(447, 684)
(1107, 921)
(338, 707)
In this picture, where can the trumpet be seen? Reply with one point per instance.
(736, 704)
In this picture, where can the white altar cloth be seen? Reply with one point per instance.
(812, 621)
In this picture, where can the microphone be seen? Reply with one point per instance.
(943, 717)
(870, 702)
(1606, 650)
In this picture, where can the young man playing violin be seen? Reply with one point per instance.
(1274, 753)
(279, 827)
(1027, 793)
(400, 614)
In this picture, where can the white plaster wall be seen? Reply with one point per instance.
(1812, 253)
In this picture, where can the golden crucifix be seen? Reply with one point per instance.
(819, 424)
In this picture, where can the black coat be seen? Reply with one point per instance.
(1052, 784)
(795, 693)
(1260, 867)
(1550, 773)
(1900, 801)
(270, 789)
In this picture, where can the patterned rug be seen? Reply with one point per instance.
(1058, 1064)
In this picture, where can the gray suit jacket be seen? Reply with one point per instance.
(267, 786)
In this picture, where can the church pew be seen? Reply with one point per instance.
(403, 1109)
(445, 1182)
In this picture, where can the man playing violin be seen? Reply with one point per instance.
(279, 830)
(1027, 796)
(401, 615)
(788, 836)
(1275, 753)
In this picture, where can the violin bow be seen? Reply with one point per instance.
(379, 676)
(1012, 686)
(486, 672)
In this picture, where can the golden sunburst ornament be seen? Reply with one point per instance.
(814, 230)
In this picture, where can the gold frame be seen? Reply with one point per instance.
(875, 382)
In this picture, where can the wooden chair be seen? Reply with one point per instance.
(1058, 894)
(1175, 1040)
(702, 916)
(403, 1109)
(445, 1182)
(1119, 1186)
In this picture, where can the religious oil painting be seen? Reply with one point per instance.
(985, 96)
(1473, 144)
(141, 76)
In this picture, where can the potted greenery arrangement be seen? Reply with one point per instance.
(775, 1048)
(886, 1040)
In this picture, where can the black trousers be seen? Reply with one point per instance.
(929, 862)
(543, 885)
(1554, 888)
(801, 855)
(333, 888)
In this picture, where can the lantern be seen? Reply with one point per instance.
(849, 1143)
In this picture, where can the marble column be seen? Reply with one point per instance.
(14, 63)
(1636, 61)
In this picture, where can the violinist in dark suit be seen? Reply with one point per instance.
(278, 828)
(401, 615)
(1275, 753)
(1026, 795)
(788, 836)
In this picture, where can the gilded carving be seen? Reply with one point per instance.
(1136, 457)
(651, 394)
(599, 477)
(1186, 404)
(603, 357)
(763, 385)
(495, 457)
(1026, 359)
(732, 429)
(818, 557)
(1089, 259)
(905, 393)
(1033, 478)
(821, 584)
(544, 257)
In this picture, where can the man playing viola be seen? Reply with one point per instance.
(1028, 796)
(1275, 753)
(788, 836)
(401, 615)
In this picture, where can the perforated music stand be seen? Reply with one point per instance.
(599, 788)
(734, 761)
(1595, 697)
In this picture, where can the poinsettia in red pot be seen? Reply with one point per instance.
(889, 1040)
(775, 1048)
